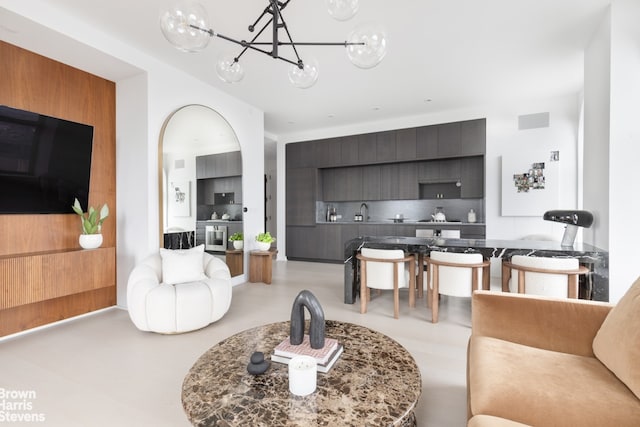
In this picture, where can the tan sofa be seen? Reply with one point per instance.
(536, 361)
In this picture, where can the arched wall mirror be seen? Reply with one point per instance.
(200, 174)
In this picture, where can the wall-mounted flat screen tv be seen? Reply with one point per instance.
(45, 163)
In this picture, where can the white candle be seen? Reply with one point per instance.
(302, 375)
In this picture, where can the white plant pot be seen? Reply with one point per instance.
(90, 241)
(238, 244)
(263, 246)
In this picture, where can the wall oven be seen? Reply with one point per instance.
(215, 238)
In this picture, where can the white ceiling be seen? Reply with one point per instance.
(443, 54)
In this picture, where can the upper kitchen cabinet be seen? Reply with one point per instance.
(427, 142)
(219, 165)
(367, 148)
(399, 181)
(301, 154)
(458, 139)
(406, 144)
(386, 146)
(328, 152)
(349, 150)
(342, 184)
(473, 137)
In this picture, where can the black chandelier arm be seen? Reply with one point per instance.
(276, 39)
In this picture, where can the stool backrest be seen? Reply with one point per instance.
(380, 274)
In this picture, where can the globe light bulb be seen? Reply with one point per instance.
(371, 45)
(305, 77)
(185, 26)
(342, 10)
(229, 70)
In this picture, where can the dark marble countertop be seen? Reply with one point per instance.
(375, 382)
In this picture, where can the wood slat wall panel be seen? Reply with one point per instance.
(29, 316)
(35, 83)
(29, 279)
(41, 265)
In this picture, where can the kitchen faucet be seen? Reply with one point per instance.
(364, 205)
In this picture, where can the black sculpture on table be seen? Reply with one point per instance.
(316, 329)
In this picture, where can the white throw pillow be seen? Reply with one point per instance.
(182, 265)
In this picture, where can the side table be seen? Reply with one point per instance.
(260, 266)
(235, 261)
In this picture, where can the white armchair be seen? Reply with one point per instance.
(177, 291)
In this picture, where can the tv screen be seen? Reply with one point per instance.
(45, 163)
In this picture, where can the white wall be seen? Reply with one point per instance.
(596, 166)
(147, 91)
(624, 204)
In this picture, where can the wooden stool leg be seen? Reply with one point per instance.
(412, 282)
(573, 285)
(420, 275)
(396, 292)
(364, 295)
(435, 295)
(506, 275)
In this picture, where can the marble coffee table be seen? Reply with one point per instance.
(376, 382)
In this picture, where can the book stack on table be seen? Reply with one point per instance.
(325, 356)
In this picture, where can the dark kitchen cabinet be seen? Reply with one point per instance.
(371, 182)
(473, 135)
(399, 181)
(472, 177)
(406, 144)
(427, 142)
(367, 148)
(208, 187)
(386, 146)
(349, 150)
(301, 154)
(219, 165)
(300, 189)
(342, 184)
(321, 243)
(457, 139)
(446, 170)
(328, 152)
(449, 141)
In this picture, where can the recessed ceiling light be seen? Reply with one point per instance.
(331, 115)
(427, 100)
(376, 108)
(291, 122)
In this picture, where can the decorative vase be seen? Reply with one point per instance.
(263, 246)
(90, 241)
(238, 244)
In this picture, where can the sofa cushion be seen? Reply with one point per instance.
(490, 421)
(617, 343)
(182, 265)
(541, 387)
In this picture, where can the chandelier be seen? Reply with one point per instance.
(186, 26)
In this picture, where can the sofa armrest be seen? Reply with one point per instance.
(565, 325)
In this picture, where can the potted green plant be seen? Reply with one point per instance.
(237, 239)
(264, 240)
(91, 222)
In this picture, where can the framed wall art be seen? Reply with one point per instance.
(530, 183)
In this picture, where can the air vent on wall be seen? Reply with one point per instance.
(179, 164)
(533, 121)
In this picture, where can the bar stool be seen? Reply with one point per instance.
(556, 277)
(386, 269)
(454, 274)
